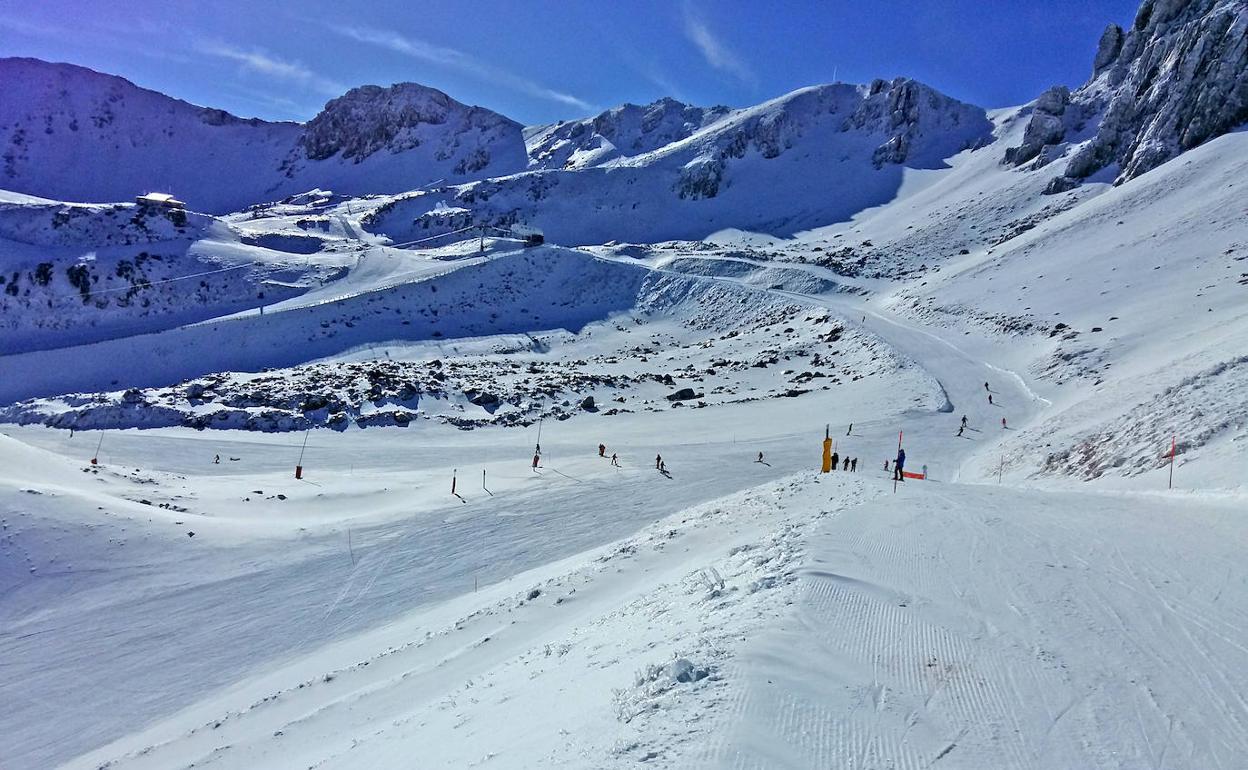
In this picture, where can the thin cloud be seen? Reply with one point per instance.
(455, 59)
(715, 51)
(271, 66)
(29, 29)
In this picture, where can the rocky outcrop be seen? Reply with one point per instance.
(1050, 120)
(623, 131)
(371, 119)
(1176, 79)
(911, 116)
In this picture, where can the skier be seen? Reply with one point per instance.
(886, 466)
(602, 450)
(898, 465)
(760, 458)
(662, 467)
(989, 399)
(985, 387)
(851, 429)
(835, 460)
(615, 459)
(536, 457)
(962, 428)
(1002, 423)
(845, 466)
(853, 465)
(658, 462)
(216, 460)
(963, 421)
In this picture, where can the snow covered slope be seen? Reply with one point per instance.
(70, 133)
(78, 273)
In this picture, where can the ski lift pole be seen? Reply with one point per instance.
(299, 465)
(96, 459)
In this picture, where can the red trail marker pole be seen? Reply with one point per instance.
(1173, 440)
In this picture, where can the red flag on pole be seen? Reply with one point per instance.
(1173, 440)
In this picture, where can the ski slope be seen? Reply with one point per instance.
(458, 576)
(372, 619)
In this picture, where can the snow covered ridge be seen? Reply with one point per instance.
(623, 131)
(686, 343)
(77, 273)
(70, 133)
(1176, 79)
(813, 157)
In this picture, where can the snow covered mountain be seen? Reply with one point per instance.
(624, 131)
(70, 133)
(1176, 79)
(809, 158)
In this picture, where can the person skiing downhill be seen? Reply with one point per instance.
(985, 387)
(989, 398)
(963, 421)
(1002, 423)
(962, 428)
(615, 459)
(760, 458)
(886, 466)
(851, 429)
(602, 450)
(898, 465)
(658, 462)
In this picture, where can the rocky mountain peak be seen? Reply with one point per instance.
(1176, 79)
(371, 118)
(908, 113)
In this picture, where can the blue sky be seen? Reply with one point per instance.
(538, 61)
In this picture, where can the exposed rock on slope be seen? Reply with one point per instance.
(371, 119)
(626, 131)
(1176, 79)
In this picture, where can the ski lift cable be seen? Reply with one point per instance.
(433, 237)
(153, 283)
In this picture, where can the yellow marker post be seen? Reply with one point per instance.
(827, 450)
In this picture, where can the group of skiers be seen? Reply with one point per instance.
(847, 463)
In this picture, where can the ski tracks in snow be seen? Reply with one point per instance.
(980, 627)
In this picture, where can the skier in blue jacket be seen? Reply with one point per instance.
(898, 465)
